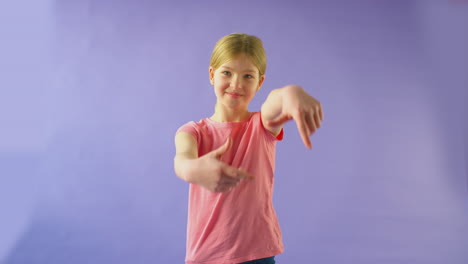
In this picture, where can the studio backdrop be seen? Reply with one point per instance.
(92, 93)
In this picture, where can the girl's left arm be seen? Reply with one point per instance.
(292, 102)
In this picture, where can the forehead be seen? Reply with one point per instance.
(240, 63)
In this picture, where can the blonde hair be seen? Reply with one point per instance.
(229, 47)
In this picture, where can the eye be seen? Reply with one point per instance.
(248, 76)
(227, 73)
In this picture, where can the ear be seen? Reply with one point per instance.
(211, 75)
(260, 82)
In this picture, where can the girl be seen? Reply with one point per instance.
(229, 158)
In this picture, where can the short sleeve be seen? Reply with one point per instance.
(279, 137)
(192, 128)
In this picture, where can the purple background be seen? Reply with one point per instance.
(92, 93)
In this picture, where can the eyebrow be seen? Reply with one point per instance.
(229, 68)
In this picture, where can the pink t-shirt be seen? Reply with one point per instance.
(241, 225)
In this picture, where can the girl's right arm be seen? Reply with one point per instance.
(208, 171)
(186, 152)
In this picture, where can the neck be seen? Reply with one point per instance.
(223, 114)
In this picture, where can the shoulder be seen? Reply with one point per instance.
(256, 118)
(185, 142)
(196, 129)
(188, 125)
(192, 125)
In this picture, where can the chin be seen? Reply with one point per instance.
(234, 106)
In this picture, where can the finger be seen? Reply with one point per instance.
(235, 173)
(318, 123)
(279, 120)
(244, 175)
(228, 185)
(221, 189)
(229, 171)
(303, 130)
(310, 124)
(228, 180)
(317, 117)
(221, 150)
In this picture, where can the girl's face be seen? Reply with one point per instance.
(236, 82)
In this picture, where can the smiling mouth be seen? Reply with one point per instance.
(234, 95)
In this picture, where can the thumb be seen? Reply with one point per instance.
(281, 119)
(221, 150)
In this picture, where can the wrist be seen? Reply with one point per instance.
(292, 88)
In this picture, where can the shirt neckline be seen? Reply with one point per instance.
(229, 124)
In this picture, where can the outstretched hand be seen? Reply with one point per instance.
(303, 108)
(217, 176)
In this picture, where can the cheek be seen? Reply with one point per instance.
(253, 87)
(221, 83)
(220, 86)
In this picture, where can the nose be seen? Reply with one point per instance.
(236, 83)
